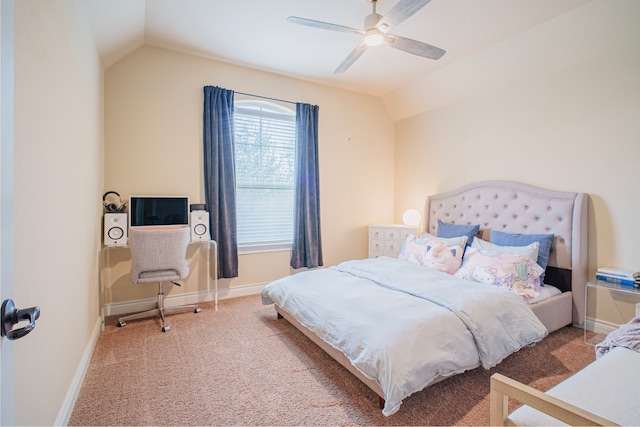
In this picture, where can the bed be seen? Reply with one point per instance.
(400, 327)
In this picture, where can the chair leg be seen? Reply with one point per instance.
(142, 315)
(165, 327)
(161, 310)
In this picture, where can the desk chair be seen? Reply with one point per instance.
(158, 254)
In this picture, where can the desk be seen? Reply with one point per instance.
(625, 295)
(212, 274)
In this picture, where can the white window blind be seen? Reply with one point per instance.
(264, 160)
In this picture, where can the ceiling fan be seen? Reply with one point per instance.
(376, 32)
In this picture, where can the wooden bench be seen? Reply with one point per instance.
(605, 392)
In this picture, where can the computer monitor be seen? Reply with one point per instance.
(158, 211)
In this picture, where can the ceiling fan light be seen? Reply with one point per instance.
(373, 38)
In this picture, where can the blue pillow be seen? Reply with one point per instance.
(446, 229)
(514, 239)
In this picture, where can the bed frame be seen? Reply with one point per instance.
(515, 208)
(518, 208)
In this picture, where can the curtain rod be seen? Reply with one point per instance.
(266, 97)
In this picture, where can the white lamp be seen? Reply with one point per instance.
(411, 217)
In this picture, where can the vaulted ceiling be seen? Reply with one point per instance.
(256, 33)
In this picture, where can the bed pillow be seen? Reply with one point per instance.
(451, 241)
(437, 253)
(413, 249)
(515, 239)
(446, 229)
(443, 257)
(518, 273)
(530, 250)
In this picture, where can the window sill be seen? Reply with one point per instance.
(256, 249)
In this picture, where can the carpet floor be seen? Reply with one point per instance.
(240, 365)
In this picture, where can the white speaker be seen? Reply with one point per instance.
(200, 226)
(115, 229)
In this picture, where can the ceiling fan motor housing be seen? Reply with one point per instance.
(371, 20)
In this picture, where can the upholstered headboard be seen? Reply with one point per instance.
(518, 208)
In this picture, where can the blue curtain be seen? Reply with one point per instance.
(220, 176)
(307, 248)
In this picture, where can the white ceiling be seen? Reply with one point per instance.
(255, 33)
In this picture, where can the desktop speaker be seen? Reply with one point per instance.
(200, 226)
(115, 229)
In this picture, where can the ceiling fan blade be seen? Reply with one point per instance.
(400, 12)
(351, 58)
(323, 25)
(414, 46)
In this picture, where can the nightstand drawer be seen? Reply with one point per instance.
(392, 246)
(376, 245)
(392, 234)
(376, 233)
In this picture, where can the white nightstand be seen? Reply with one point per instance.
(620, 304)
(386, 239)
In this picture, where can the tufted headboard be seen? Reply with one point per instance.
(518, 208)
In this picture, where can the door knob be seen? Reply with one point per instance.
(10, 316)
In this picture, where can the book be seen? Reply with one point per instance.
(618, 280)
(619, 272)
(619, 276)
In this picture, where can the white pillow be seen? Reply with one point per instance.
(450, 241)
(530, 251)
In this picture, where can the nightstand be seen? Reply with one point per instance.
(607, 306)
(386, 239)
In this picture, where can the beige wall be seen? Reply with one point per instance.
(58, 182)
(573, 125)
(153, 121)
(573, 114)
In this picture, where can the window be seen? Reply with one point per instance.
(264, 160)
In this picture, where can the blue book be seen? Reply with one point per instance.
(623, 273)
(611, 279)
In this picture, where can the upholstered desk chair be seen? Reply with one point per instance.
(159, 254)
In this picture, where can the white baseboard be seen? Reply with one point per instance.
(241, 291)
(149, 303)
(600, 326)
(74, 390)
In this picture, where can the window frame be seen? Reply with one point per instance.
(275, 112)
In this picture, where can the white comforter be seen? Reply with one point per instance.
(404, 325)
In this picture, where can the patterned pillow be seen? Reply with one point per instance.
(442, 257)
(515, 239)
(432, 252)
(518, 273)
(413, 249)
